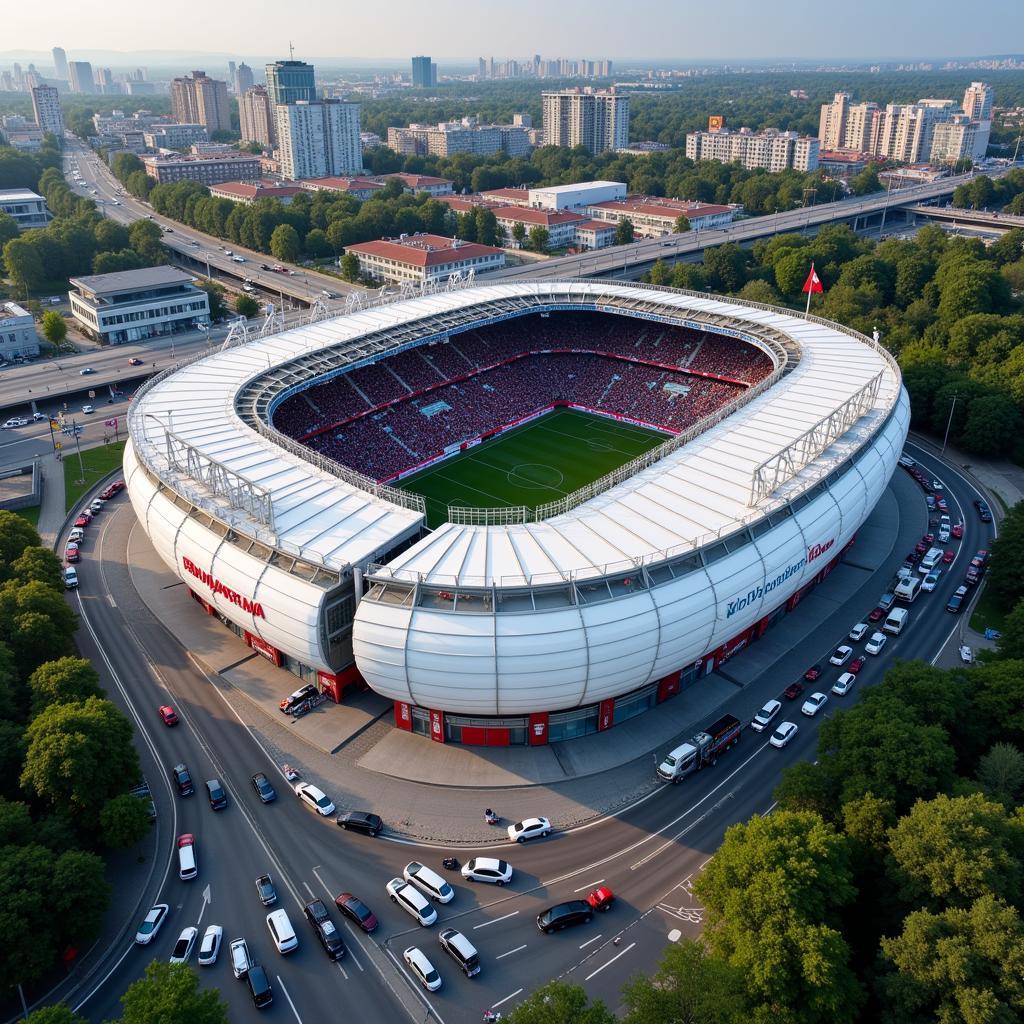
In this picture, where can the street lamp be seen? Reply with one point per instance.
(949, 422)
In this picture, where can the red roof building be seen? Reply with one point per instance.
(653, 216)
(594, 234)
(508, 196)
(424, 258)
(560, 225)
(247, 192)
(360, 188)
(421, 183)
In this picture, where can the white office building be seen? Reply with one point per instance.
(977, 106)
(771, 149)
(17, 332)
(575, 197)
(28, 209)
(954, 140)
(46, 104)
(319, 138)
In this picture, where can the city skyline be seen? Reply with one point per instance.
(684, 31)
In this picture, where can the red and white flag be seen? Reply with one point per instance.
(813, 282)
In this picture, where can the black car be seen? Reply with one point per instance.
(984, 512)
(264, 790)
(360, 821)
(215, 792)
(562, 915)
(259, 986)
(329, 936)
(356, 911)
(182, 778)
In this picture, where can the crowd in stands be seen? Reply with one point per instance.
(359, 419)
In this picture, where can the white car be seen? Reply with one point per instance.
(210, 946)
(930, 581)
(428, 882)
(183, 947)
(77, 535)
(315, 798)
(841, 655)
(814, 704)
(423, 970)
(943, 534)
(765, 715)
(152, 924)
(281, 931)
(783, 734)
(487, 869)
(240, 961)
(15, 421)
(876, 643)
(859, 631)
(412, 901)
(529, 828)
(907, 462)
(70, 578)
(88, 409)
(844, 684)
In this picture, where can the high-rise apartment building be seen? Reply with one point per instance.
(978, 107)
(256, 116)
(242, 80)
(60, 64)
(46, 105)
(80, 77)
(595, 119)
(832, 123)
(319, 138)
(771, 149)
(954, 139)
(445, 139)
(289, 81)
(201, 100)
(424, 73)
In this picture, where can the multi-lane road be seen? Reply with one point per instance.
(649, 855)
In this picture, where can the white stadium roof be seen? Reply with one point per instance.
(701, 490)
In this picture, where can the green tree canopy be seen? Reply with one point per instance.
(539, 237)
(623, 232)
(61, 1013)
(246, 305)
(1001, 772)
(560, 1003)
(38, 564)
(1005, 582)
(55, 328)
(64, 681)
(124, 820)
(170, 994)
(350, 266)
(284, 243)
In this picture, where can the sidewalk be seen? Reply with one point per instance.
(434, 792)
(51, 509)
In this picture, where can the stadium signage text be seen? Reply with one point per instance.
(254, 608)
(817, 550)
(762, 589)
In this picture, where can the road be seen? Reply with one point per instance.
(649, 855)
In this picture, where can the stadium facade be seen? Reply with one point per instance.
(515, 626)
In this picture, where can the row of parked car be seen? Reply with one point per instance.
(73, 550)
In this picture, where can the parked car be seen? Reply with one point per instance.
(356, 911)
(489, 869)
(793, 691)
(841, 655)
(301, 694)
(361, 821)
(876, 643)
(814, 704)
(563, 915)
(858, 631)
(70, 578)
(812, 673)
(957, 531)
(412, 901)
(428, 881)
(984, 512)
(529, 828)
(328, 935)
(461, 950)
(783, 734)
(422, 969)
(765, 715)
(876, 614)
(313, 797)
(71, 553)
(948, 556)
(931, 581)
(955, 603)
(842, 686)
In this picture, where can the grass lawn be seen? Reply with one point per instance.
(986, 614)
(531, 465)
(98, 463)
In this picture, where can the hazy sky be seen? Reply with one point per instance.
(682, 29)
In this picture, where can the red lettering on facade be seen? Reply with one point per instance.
(817, 550)
(253, 608)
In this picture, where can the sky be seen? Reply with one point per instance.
(682, 30)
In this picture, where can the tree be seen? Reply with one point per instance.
(170, 994)
(539, 238)
(1001, 772)
(60, 1013)
(64, 681)
(284, 243)
(24, 263)
(8, 229)
(147, 240)
(15, 823)
(81, 894)
(690, 986)
(110, 235)
(316, 244)
(791, 272)
(519, 231)
(660, 273)
(246, 305)
(760, 291)
(35, 622)
(950, 851)
(866, 182)
(682, 224)
(115, 262)
(560, 1003)
(1005, 583)
(623, 232)
(726, 267)
(772, 893)
(80, 755)
(124, 820)
(215, 295)
(16, 534)
(962, 966)
(486, 226)
(350, 266)
(38, 564)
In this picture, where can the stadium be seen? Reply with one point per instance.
(523, 512)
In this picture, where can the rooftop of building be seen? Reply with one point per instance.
(254, 189)
(193, 159)
(529, 215)
(8, 309)
(11, 195)
(579, 186)
(659, 206)
(131, 280)
(341, 184)
(417, 180)
(595, 225)
(423, 250)
(520, 194)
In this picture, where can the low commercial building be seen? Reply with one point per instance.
(424, 258)
(559, 224)
(421, 183)
(576, 197)
(360, 188)
(247, 192)
(175, 136)
(594, 234)
(135, 304)
(17, 332)
(210, 170)
(507, 196)
(654, 216)
(25, 140)
(28, 209)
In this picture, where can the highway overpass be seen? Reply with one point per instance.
(999, 222)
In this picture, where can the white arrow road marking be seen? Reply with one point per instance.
(207, 898)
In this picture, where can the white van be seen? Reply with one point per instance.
(187, 866)
(896, 620)
(930, 560)
(908, 589)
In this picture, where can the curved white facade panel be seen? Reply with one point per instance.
(638, 582)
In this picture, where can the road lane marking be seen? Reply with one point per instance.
(288, 997)
(355, 933)
(589, 941)
(501, 956)
(310, 891)
(494, 1006)
(342, 969)
(414, 985)
(495, 920)
(593, 885)
(110, 598)
(594, 974)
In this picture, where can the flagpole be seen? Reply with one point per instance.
(807, 311)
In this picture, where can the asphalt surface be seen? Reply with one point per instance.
(649, 855)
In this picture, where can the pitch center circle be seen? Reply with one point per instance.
(535, 474)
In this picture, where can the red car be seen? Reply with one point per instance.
(812, 673)
(915, 556)
(920, 548)
(876, 614)
(855, 666)
(356, 910)
(82, 522)
(948, 556)
(601, 898)
(928, 539)
(168, 714)
(793, 691)
(958, 530)
(71, 554)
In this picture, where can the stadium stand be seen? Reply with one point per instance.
(404, 409)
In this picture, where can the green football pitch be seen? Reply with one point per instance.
(541, 461)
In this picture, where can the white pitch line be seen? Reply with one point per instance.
(501, 956)
(589, 941)
(289, 998)
(594, 974)
(494, 1006)
(593, 885)
(495, 920)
